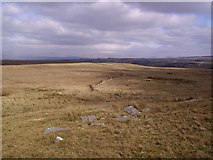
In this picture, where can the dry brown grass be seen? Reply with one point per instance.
(36, 97)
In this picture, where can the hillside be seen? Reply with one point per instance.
(182, 62)
(174, 105)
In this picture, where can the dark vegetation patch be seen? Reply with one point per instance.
(5, 92)
(172, 79)
(184, 62)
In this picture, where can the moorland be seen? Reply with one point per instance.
(175, 124)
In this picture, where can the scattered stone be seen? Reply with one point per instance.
(189, 98)
(148, 80)
(145, 116)
(97, 124)
(55, 129)
(60, 93)
(136, 117)
(146, 122)
(88, 118)
(37, 119)
(58, 139)
(202, 129)
(132, 110)
(177, 100)
(117, 132)
(145, 109)
(117, 94)
(157, 143)
(124, 118)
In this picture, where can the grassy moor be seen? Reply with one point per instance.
(174, 105)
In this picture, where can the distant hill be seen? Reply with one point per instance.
(44, 58)
(180, 62)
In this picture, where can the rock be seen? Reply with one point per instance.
(146, 121)
(177, 100)
(136, 117)
(202, 129)
(117, 94)
(55, 129)
(189, 98)
(58, 139)
(132, 110)
(88, 118)
(97, 124)
(145, 109)
(60, 93)
(123, 118)
(37, 119)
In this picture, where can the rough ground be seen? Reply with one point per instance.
(36, 97)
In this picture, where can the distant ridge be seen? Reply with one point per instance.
(44, 58)
(180, 62)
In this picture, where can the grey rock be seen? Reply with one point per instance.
(123, 118)
(145, 109)
(55, 129)
(88, 118)
(146, 122)
(136, 117)
(97, 123)
(58, 139)
(132, 110)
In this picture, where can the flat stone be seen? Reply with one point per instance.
(55, 129)
(145, 109)
(58, 139)
(97, 124)
(88, 118)
(132, 110)
(123, 118)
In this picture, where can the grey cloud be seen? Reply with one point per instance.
(105, 29)
(109, 16)
(203, 8)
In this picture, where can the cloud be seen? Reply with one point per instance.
(105, 29)
(11, 9)
(199, 8)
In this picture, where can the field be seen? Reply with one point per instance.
(36, 97)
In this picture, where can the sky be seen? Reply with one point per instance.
(105, 29)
